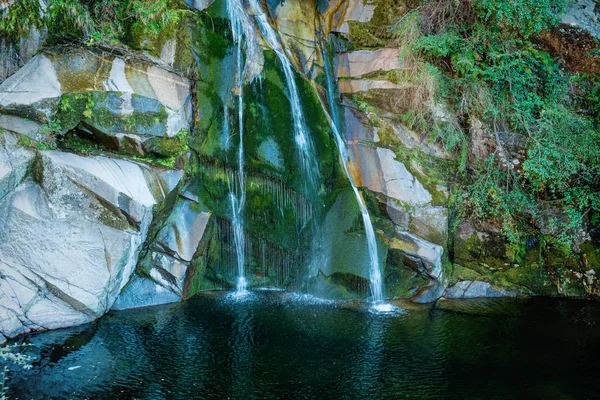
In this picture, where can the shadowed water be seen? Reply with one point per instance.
(274, 345)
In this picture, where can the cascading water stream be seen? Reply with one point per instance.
(237, 192)
(303, 141)
(306, 152)
(242, 27)
(374, 272)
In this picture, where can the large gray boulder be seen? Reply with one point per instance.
(71, 228)
(582, 14)
(163, 272)
(144, 292)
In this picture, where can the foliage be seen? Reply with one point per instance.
(497, 195)
(589, 98)
(70, 18)
(16, 20)
(92, 20)
(490, 69)
(528, 17)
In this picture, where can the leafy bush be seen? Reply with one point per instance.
(92, 20)
(528, 17)
(494, 72)
(16, 20)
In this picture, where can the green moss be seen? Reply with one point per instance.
(99, 110)
(484, 255)
(351, 283)
(400, 280)
(529, 279)
(590, 256)
(166, 147)
(460, 273)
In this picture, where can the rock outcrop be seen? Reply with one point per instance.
(116, 168)
(71, 229)
(474, 290)
(121, 104)
(72, 226)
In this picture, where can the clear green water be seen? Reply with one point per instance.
(279, 346)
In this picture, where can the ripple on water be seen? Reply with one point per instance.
(386, 309)
(289, 345)
(306, 299)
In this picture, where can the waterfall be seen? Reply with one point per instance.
(237, 189)
(303, 141)
(242, 27)
(374, 271)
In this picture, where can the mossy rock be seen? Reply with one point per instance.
(104, 111)
(373, 33)
(400, 280)
(166, 146)
(482, 252)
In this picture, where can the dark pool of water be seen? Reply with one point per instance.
(277, 346)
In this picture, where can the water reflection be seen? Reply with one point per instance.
(241, 344)
(276, 345)
(371, 353)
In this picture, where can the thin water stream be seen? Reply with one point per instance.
(237, 190)
(304, 143)
(242, 27)
(376, 282)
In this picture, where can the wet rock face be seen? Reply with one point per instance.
(78, 236)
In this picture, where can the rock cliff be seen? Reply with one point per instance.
(116, 164)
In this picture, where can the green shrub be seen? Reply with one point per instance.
(528, 17)
(19, 18)
(92, 20)
(496, 73)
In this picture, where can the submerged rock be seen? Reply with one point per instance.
(475, 289)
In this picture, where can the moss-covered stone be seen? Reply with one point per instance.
(400, 280)
(374, 33)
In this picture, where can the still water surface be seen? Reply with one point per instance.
(272, 345)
